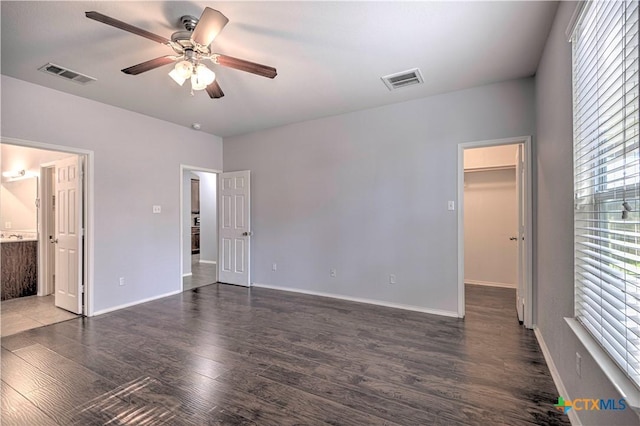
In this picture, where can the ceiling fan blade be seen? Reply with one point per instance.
(214, 90)
(149, 65)
(242, 65)
(127, 27)
(209, 26)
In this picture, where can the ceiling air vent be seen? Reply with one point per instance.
(66, 73)
(403, 79)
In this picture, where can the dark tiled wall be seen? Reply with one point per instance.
(19, 262)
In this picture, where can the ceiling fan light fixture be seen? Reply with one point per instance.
(197, 83)
(175, 75)
(184, 69)
(205, 74)
(202, 77)
(191, 47)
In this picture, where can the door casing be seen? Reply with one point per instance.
(528, 263)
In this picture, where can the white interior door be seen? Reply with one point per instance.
(68, 234)
(234, 228)
(522, 252)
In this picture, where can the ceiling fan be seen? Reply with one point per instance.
(192, 47)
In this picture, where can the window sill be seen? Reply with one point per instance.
(619, 380)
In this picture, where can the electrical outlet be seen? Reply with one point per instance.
(578, 364)
(157, 209)
(333, 273)
(392, 278)
(121, 281)
(274, 267)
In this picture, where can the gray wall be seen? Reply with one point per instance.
(554, 236)
(366, 193)
(137, 165)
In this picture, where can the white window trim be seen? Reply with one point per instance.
(620, 381)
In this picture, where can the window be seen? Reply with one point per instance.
(607, 179)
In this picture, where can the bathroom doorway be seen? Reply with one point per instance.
(28, 255)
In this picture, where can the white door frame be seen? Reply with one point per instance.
(45, 227)
(88, 209)
(526, 141)
(185, 168)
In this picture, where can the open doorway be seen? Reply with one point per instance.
(493, 227)
(199, 219)
(32, 258)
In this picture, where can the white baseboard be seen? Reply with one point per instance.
(213, 262)
(361, 300)
(137, 302)
(555, 375)
(489, 283)
(188, 274)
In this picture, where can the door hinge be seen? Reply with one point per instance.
(82, 289)
(53, 202)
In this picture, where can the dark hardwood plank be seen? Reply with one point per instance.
(295, 402)
(98, 362)
(20, 375)
(17, 410)
(55, 365)
(219, 416)
(63, 401)
(350, 396)
(17, 341)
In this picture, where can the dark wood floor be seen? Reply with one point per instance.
(228, 355)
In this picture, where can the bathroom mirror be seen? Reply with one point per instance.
(18, 209)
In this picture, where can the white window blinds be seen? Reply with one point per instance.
(607, 179)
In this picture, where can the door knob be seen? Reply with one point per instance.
(246, 234)
(52, 240)
(514, 238)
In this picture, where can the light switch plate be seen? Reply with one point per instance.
(451, 205)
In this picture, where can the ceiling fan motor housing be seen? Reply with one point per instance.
(189, 22)
(181, 41)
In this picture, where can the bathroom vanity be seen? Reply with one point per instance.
(19, 268)
(19, 237)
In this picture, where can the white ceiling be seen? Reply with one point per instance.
(329, 55)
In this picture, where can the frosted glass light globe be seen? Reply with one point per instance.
(197, 83)
(205, 74)
(184, 69)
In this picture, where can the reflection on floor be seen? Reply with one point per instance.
(25, 313)
(201, 274)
